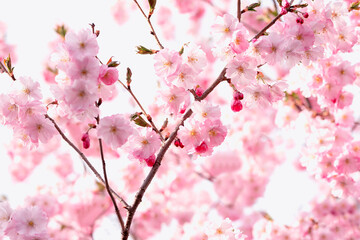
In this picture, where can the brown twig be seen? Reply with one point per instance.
(239, 10)
(270, 24)
(150, 24)
(151, 175)
(121, 221)
(219, 79)
(83, 157)
(143, 110)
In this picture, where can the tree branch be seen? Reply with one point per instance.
(239, 10)
(219, 79)
(81, 154)
(150, 24)
(121, 221)
(151, 175)
(148, 117)
(270, 24)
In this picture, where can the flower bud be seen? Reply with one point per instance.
(283, 11)
(86, 140)
(238, 95)
(236, 105)
(300, 20)
(305, 15)
(150, 161)
(199, 91)
(203, 147)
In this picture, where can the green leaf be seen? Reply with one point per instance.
(138, 120)
(61, 30)
(144, 50)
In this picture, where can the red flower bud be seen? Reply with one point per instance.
(236, 105)
(86, 140)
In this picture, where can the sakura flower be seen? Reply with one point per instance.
(348, 164)
(241, 70)
(27, 223)
(224, 26)
(194, 57)
(239, 41)
(85, 69)
(29, 109)
(82, 44)
(144, 145)
(39, 128)
(29, 89)
(80, 95)
(257, 95)
(9, 108)
(222, 230)
(216, 132)
(108, 75)
(175, 99)
(184, 78)
(5, 213)
(167, 62)
(342, 74)
(204, 110)
(191, 135)
(273, 46)
(114, 130)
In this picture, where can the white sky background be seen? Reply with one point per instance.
(30, 26)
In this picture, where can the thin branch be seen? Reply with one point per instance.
(81, 154)
(239, 10)
(148, 117)
(151, 175)
(270, 24)
(108, 187)
(150, 24)
(219, 79)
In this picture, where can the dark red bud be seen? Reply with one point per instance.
(238, 95)
(236, 105)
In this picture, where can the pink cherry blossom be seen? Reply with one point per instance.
(108, 75)
(239, 41)
(82, 44)
(39, 128)
(26, 223)
(80, 95)
(114, 130)
(242, 71)
(195, 57)
(85, 69)
(144, 145)
(167, 62)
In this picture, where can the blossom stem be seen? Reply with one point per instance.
(108, 187)
(83, 157)
(150, 24)
(148, 117)
(220, 78)
(270, 24)
(151, 174)
(239, 10)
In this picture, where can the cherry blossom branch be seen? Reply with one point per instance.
(150, 24)
(148, 117)
(219, 79)
(108, 186)
(271, 23)
(81, 154)
(239, 10)
(151, 174)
